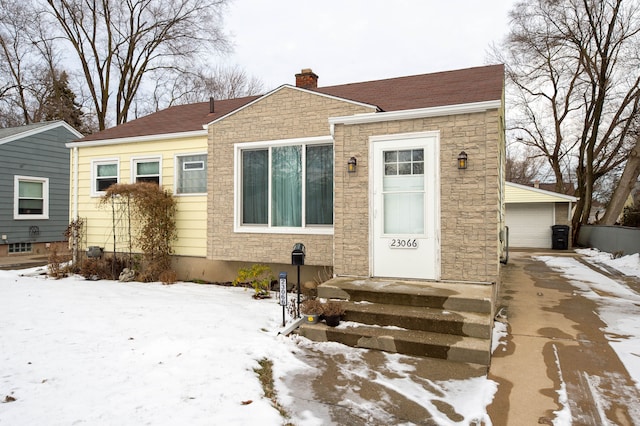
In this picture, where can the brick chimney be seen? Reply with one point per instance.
(307, 79)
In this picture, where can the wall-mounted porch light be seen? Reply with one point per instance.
(462, 160)
(351, 165)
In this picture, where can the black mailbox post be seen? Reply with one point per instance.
(297, 258)
(298, 254)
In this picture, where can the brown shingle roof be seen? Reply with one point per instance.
(426, 90)
(175, 119)
(419, 91)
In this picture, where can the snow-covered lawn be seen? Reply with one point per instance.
(110, 353)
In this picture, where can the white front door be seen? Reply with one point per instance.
(406, 206)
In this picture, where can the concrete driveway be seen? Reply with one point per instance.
(556, 347)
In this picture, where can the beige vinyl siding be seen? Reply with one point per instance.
(192, 210)
(515, 194)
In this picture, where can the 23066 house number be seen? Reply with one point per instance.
(403, 243)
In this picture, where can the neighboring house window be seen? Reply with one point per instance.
(20, 248)
(105, 174)
(191, 174)
(146, 170)
(31, 198)
(287, 186)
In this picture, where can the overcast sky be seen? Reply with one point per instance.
(346, 41)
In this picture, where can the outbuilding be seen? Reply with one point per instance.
(531, 212)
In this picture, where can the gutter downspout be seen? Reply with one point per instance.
(75, 204)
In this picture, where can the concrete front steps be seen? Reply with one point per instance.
(438, 320)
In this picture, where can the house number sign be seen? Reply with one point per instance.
(403, 243)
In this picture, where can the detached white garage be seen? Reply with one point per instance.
(531, 212)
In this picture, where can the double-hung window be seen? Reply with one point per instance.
(286, 186)
(191, 174)
(146, 170)
(31, 198)
(105, 174)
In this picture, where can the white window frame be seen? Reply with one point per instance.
(94, 173)
(16, 197)
(177, 171)
(239, 227)
(146, 159)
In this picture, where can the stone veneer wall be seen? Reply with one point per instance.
(470, 199)
(285, 114)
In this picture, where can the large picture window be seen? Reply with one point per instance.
(286, 186)
(191, 174)
(31, 197)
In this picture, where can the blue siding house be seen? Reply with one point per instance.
(34, 186)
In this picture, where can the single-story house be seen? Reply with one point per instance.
(398, 178)
(531, 213)
(34, 186)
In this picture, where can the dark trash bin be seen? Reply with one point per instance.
(560, 237)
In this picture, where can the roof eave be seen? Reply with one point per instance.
(408, 114)
(37, 130)
(544, 192)
(138, 139)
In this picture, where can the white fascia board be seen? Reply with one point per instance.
(137, 139)
(409, 114)
(41, 129)
(569, 198)
(288, 86)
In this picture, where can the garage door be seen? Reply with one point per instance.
(530, 224)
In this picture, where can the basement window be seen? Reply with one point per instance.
(15, 248)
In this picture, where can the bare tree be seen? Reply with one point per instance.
(19, 58)
(575, 74)
(218, 82)
(118, 43)
(523, 168)
(33, 86)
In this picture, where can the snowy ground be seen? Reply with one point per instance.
(82, 352)
(103, 352)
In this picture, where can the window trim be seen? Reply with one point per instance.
(178, 170)
(146, 159)
(94, 173)
(16, 197)
(238, 226)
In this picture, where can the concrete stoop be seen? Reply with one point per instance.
(438, 320)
